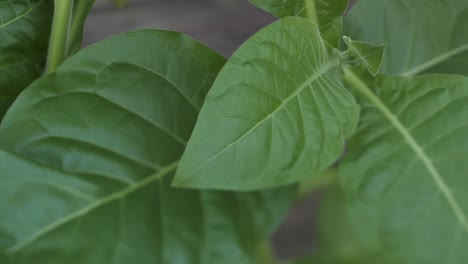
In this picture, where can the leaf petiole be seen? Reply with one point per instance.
(80, 13)
(59, 35)
(311, 12)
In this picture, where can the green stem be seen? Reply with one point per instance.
(80, 13)
(59, 34)
(265, 254)
(311, 13)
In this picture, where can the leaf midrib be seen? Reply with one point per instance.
(436, 60)
(91, 207)
(413, 144)
(322, 70)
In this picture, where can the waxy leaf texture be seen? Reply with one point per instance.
(405, 172)
(423, 36)
(24, 37)
(87, 155)
(278, 112)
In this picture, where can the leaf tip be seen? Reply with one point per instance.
(367, 55)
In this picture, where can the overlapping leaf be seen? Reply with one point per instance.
(24, 35)
(423, 36)
(329, 14)
(365, 55)
(406, 171)
(277, 112)
(88, 153)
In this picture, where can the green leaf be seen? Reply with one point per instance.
(405, 171)
(277, 113)
(418, 42)
(24, 35)
(89, 151)
(367, 56)
(329, 14)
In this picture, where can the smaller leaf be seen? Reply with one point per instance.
(368, 56)
(277, 113)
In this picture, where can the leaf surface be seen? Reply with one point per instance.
(367, 56)
(405, 171)
(89, 151)
(419, 41)
(329, 14)
(277, 113)
(24, 36)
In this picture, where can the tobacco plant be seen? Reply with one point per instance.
(149, 147)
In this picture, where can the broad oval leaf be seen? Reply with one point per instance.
(88, 154)
(418, 42)
(329, 14)
(24, 37)
(276, 113)
(407, 182)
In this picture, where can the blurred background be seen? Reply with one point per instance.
(222, 25)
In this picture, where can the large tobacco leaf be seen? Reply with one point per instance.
(329, 14)
(87, 154)
(423, 36)
(277, 113)
(24, 36)
(405, 170)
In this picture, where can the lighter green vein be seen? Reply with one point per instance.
(21, 16)
(98, 203)
(436, 60)
(322, 70)
(412, 143)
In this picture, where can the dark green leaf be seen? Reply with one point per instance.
(329, 14)
(277, 113)
(366, 55)
(87, 147)
(405, 171)
(423, 36)
(24, 36)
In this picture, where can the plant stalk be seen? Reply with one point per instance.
(59, 35)
(311, 12)
(80, 13)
